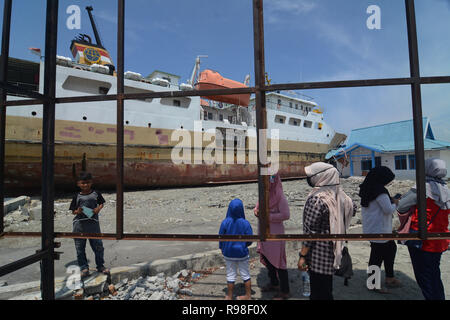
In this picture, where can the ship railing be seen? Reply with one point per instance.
(284, 108)
(23, 85)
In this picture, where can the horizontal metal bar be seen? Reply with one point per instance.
(358, 83)
(210, 237)
(22, 263)
(274, 87)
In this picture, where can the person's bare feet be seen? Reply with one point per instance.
(228, 298)
(244, 298)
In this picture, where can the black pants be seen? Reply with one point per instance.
(277, 276)
(383, 252)
(321, 286)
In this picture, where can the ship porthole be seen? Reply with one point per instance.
(182, 127)
(149, 125)
(34, 113)
(127, 122)
(84, 118)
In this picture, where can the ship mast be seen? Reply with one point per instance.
(94, 27)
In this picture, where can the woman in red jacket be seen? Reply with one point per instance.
(426, 255)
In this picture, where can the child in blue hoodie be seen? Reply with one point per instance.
(236, 252)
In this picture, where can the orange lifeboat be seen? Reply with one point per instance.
(210, 80)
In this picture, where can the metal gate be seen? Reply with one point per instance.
(47, 253)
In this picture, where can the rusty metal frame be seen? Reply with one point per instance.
(47, 255)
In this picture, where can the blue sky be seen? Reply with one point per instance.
(305, 40)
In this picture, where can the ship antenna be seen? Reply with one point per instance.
(94, 27)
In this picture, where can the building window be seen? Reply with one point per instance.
(400, 163)
(412, 162)
(366, 165)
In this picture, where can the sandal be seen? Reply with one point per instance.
(103, 270)
(85, 273)
(270, 288)
(393, 284)
(282, 296)
(381, 290)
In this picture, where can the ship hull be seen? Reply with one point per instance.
(148, 158)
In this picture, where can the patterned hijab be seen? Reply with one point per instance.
(436, 187)
(326, 185)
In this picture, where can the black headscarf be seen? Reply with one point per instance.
(374, 184)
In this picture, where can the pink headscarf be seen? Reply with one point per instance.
(275, 192)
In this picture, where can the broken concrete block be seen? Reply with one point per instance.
(156, 296)
(14, 204)
(35, 213)
(95, 284)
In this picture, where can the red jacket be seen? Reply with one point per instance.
(439, 225)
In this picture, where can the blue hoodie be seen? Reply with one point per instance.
(235, 224)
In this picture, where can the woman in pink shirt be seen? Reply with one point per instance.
(273, 253)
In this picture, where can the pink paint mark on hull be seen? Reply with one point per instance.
(69, 135)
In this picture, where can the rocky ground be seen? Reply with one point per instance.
(156, 210)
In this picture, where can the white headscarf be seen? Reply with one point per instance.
(325, 179)
(436, 187)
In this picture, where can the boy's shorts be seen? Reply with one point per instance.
(234, 265)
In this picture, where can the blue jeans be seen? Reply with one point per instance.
(427, 272)
(89, 226)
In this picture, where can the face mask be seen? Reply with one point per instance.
(308, 179)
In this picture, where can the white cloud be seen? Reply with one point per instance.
(275, 10)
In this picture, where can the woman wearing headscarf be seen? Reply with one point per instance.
(426, 255)
(328, 210)
(377, 208)
(273, 253)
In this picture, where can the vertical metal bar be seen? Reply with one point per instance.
(417, 116)
(261, 116)
(6, 32)
(120, 117)
(48, 152)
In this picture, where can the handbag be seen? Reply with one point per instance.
(346, 267)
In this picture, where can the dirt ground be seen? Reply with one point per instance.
(166, 211)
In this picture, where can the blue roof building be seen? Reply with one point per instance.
(390, 145)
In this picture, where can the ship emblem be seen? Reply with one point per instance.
(92, 55)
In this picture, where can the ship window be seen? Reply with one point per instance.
(85, 85)
(221, 117)
(290, 104)
(34, 113)
(307, 124)
(182, 102)
(205, 115)
(138, 90)
(149, 125)
(210, 116)
(294, 122)
(230, 119)
(103, 90)
(296, 106)
(280, 119)
(84, 118)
